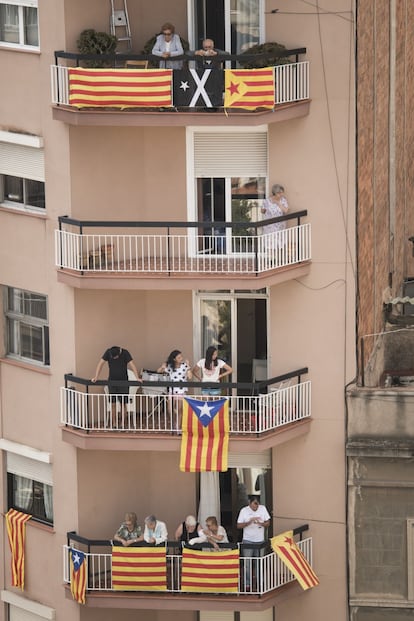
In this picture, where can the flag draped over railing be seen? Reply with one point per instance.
(78, 575)
(16, 531)
(205, 439)
(120, 88)
(249, 88)
(139, 569)
(284, 546)
(212, 571)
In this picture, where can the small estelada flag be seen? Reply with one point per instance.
(287, 550)
(16, 531)
(78, 575)
(249, 88)
(205, 439)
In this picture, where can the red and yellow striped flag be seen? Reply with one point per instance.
(210, 571)
(249, 88)
(120, 88)
(16, 531)
(139, 569)
(284, 546)
(205, 439)
(78, 575)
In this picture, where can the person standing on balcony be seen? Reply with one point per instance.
(155, 530)
(253, 520)
(167, 45)
(129, 533)
(178, 370)
(211, 369)
(274, 206)
(119, 360)
(207, 54)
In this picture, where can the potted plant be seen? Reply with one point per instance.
(92, 42)
(274, 56)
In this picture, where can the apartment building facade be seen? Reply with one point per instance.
(138, 227)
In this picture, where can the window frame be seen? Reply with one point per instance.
(24, 205)
(36, 516)
(20, 318)
(21, 5)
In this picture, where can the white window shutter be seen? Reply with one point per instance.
(250, 460)
(22, 161)
(230, 154)
(29, 468)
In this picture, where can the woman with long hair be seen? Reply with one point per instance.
(178, 370)
(211, 369)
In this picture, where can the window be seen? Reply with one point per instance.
(19, 23)
(31, 497)
(22, 172)
(27, 325)
(29, 484)
(23, 192)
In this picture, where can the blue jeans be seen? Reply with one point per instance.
(211, 391)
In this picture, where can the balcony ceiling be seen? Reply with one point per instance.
(134, 118)
(126, 441)
(182, 282)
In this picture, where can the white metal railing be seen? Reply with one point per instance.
(184, 254)
(291, 83)
(146, 413)
(270, 572)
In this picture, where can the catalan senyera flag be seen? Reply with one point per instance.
(210, 571)
(139, 569)
(120, 88)
(249, 88)
(16, 531)
(78, 575)
(284, 546)
(205, 439)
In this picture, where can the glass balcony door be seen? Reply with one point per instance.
(234, 25)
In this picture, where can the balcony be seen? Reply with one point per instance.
(181, 251)
(291, 98)
(267, 413)
(272, 579)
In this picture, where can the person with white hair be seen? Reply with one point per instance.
(188, 529)
(155, 531)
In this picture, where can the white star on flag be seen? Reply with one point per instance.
(184, 86)
(205, 410)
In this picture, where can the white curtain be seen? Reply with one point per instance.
(209, 496)
(24, 492)
(48, 499)
(245, 24)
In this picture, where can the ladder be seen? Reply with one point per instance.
(119, 22)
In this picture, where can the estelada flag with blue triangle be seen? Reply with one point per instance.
(205, 439)
(284, 546)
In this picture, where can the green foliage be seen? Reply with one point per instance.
(147, 49)
(92, 42)
(274, 57)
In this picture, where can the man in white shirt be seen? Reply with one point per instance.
(253, 519)
(155, 530)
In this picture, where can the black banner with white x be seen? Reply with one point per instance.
(198, 88)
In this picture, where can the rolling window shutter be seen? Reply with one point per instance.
(29, 468)
(19, 614)
(230, 154)
(212, 615)
(250, 460)
(22, 161)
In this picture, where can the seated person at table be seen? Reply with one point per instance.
(129, 533)
(155, 531)
(188, 529)
(212, 533)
